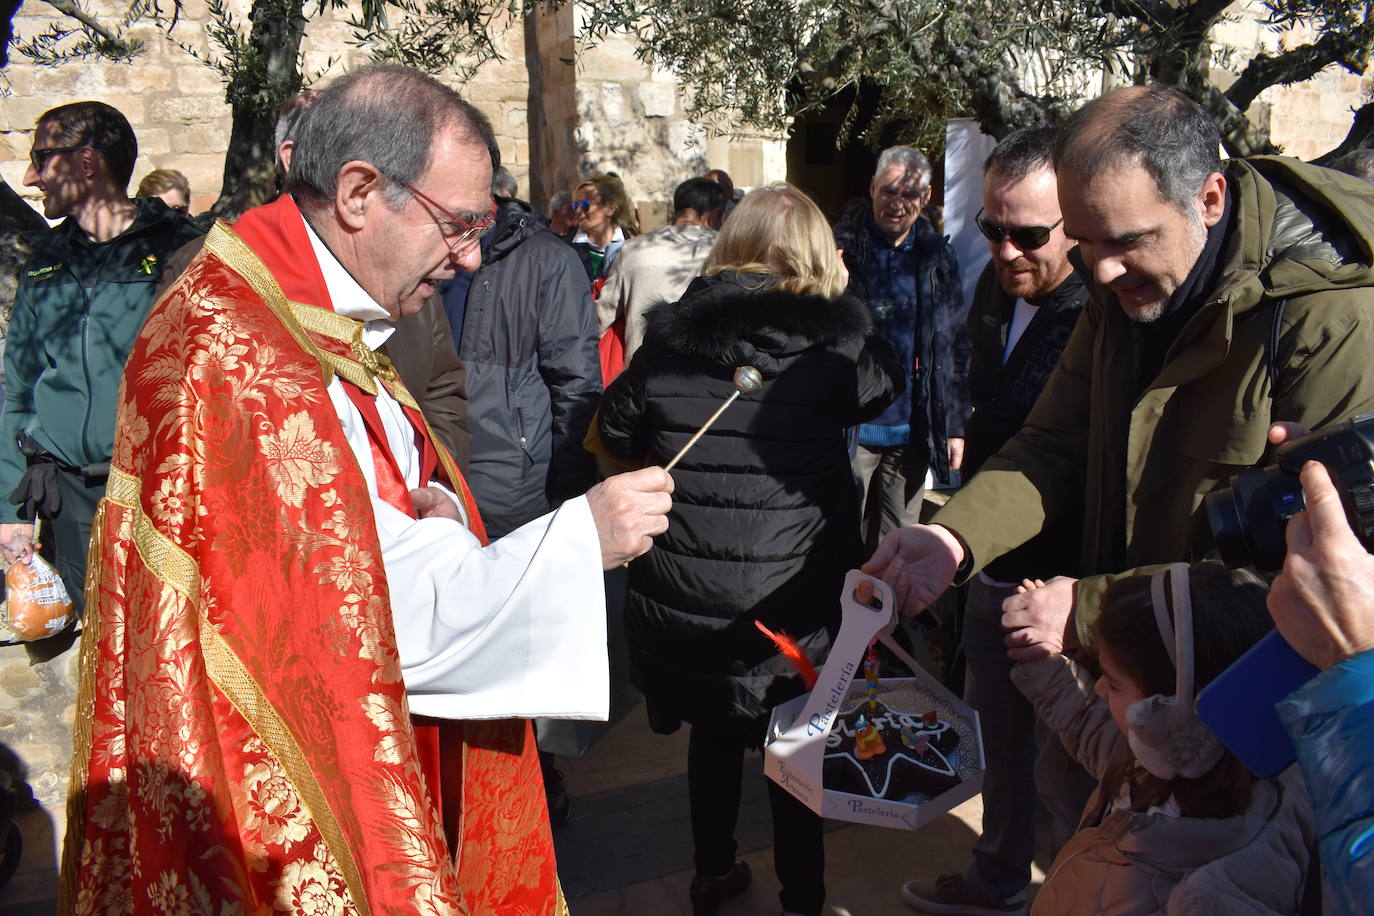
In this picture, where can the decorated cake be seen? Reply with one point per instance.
(897, 745)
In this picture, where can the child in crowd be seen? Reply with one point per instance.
(1177, 825)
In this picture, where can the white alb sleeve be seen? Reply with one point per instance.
(515, 629)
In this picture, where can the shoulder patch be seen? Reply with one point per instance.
(42, 273)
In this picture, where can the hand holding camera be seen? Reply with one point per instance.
(1323, 601)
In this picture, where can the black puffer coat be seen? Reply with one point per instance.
(765, 511)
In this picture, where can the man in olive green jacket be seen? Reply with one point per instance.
(1224, 299)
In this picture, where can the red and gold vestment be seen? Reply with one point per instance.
(243, 742)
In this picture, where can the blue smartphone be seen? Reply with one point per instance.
(1239, 704)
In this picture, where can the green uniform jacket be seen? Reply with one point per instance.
(1303, 234)
(78, 307)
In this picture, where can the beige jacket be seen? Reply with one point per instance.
(1131, 864)
(653, 268)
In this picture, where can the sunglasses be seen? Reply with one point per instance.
(1027, 238)
(468, 233)
(38, 157)
(581, 206)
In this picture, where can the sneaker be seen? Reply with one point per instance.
(708, 892)
(950, 894)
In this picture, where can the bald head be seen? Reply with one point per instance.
(1156, 128)
(385, 115)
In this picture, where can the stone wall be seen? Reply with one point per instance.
(177, 105)
(1305, 120)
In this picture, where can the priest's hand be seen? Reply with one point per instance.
(629, 509)
(16, 541)
(432, 502)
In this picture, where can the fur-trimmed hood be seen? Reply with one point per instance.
(737, 320)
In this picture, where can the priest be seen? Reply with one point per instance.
(305, 677)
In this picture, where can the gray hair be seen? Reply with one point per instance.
(386, 115)
(1156, 128)
(559, 201)
(503, 183)
(289, 115)
(1022, 152)
(1357, 162)
(908, 159)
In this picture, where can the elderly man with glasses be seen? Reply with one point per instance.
(907, 274)
(308, 674)
(80, 301)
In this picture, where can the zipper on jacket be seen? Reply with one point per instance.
(524, 442)
(86, 364)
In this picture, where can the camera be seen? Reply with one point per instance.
(1249, 518)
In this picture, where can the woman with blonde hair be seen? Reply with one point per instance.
(765, 517)
(604, 217)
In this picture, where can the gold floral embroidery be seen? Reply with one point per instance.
(387, 715)
(297, 458)
(272, 807)
(309, 889)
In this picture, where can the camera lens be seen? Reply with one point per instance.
(1250, 517)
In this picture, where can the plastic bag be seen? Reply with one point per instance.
(38, 605)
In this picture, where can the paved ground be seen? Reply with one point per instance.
(627, 850)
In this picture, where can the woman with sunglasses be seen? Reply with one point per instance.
(766, 512)
(605, 217)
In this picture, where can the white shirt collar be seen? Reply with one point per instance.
(350, 299)
(617, 236)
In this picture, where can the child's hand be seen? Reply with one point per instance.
(1039, 618)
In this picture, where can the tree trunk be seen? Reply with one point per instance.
(265, 80)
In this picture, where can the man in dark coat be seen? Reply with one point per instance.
(1024, 308)
(526, 330)
(907, 274)
(525, 326)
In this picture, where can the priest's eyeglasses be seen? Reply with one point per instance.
(1027, 238)
(468, 233)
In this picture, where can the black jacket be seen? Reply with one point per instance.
(1003, 395)
(765, 517)
(533, 372)
(929, 343)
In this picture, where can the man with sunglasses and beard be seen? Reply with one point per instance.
(81, 298)
(1024, 307)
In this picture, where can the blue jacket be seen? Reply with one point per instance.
(917, 301)
(1331, 722)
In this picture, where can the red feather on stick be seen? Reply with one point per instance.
(788, 647)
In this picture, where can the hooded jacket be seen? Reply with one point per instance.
(533, 372)
(1135, 863)
(765, 519)
(926, 334)
(78, 307)
(1304, 237)
(1330, 719)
